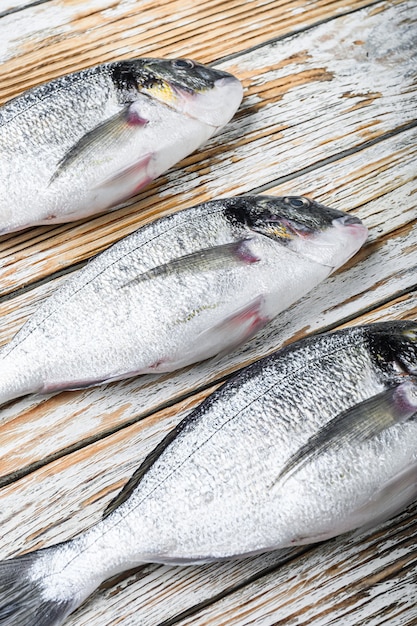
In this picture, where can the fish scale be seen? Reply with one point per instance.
(211, 489)
(171, 494)
(179, 290)
(85, 142)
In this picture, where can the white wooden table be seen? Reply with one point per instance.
(330, 111)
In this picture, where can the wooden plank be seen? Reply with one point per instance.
(385, 170)
(58, 500)
(403, 307)
(56, 37)
(348, 581)
(35, 427)
(9, 6)
(301, 106)
(312, 101)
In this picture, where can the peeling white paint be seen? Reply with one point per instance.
(28, 28)
(311, 121)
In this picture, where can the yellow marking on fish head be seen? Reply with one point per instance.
(410, 333)
(163, 91)
(281, 231)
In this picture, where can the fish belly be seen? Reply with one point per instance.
(225, 516)
(35, 189)
(99, 182)
(101, 327)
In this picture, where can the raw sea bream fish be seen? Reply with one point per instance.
(177, 291)
(312, 441)
(85, 142)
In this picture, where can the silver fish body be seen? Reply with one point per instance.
(85, 142)
(211, 489)
(177, 291)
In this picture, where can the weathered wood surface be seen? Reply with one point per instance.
(383, 269)
(304, 103)
(329, 111)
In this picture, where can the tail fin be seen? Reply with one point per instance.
(23, 601)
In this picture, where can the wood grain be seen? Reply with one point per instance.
(267, 140)
(68, 495)
(36, 427)
(38, 43)
(8, 6)
(330, 112)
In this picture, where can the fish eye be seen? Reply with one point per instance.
(297, 202)
(183, 64)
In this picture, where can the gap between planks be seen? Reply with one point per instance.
(332, 159)
(84, 498)
(16, 6)
(238, 161)
(296, 31)
(262, 189)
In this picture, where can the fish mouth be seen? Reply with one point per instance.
(353, 233)
(333, 246)
(214, 106)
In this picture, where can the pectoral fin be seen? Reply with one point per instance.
(359, 423)
(136, 175)
(206, 259)
(105, 137)
(237, 328)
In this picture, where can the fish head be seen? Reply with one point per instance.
(394, 345)
(193, 89)
(324, 235)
